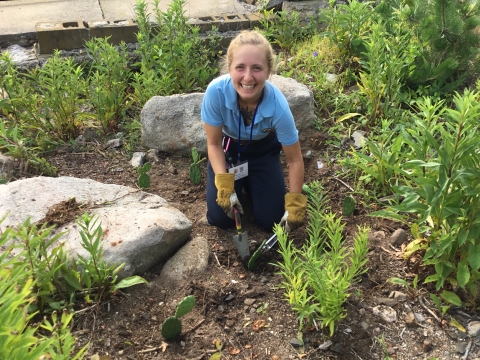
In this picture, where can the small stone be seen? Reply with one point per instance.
(420, 318)
(182, 343)
(249, 301)
(364, 325)
(427, 345)
(473, 328)
(120, 352)
(221, 308)
(461, 347)
(138, 159)
(325, 345)
(387, 301)
(331, 78)
(229, 297)
(338, 348)
(398, 237)
(114, 143)
(172, 170)
(385, 312)
(108, 342)
(398, 295)
(296, 343)
(358, 137)
(230, 323)
(308, 154)
(390, 350)
(410, 319)
(362, 311)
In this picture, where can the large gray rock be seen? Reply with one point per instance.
(139, 229)
(173, 124)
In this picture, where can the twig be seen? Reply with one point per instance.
(467, 350)
(218, 262)
(151, 349)
(343, 183)
(194, 327)
(403, 330)
(420, 299)
(86, 309)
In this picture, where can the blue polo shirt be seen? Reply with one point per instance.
(220, 108)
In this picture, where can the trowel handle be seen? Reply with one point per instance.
(238, 220)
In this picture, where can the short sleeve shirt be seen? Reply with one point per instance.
(220, 108)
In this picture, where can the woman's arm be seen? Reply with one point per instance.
(216, 156)
(295, 167)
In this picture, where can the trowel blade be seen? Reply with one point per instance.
(241, 242)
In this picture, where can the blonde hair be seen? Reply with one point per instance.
(249, 38)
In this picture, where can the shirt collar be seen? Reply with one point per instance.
(267, 107)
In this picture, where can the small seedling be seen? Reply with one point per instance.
(194, 171)
(348, 205)
(144, 179)
(172, 327)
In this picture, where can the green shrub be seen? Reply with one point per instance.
(443, 190)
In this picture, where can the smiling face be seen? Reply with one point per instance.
(249, 70)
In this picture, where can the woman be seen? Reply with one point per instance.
(247, 122)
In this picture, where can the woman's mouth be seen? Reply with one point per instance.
(248, 87)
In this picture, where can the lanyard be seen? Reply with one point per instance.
(240, 149)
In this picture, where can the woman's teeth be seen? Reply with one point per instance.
(248, 87)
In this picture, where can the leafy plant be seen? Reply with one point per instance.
(18, 294)
(62, 89)
(108, 82)
(143, 178)
(170, 53)
(96, 274)
(172, 326)
(317, 277)
(194, 171)
(444, 194)
(286, 28)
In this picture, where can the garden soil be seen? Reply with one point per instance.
(240, 314)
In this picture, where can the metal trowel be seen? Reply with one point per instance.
(241, 239)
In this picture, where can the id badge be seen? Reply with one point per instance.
(240, 170)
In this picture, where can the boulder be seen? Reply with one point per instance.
(139, 228)
(173, 124)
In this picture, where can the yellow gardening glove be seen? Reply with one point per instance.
(226, 195)
(295, 207)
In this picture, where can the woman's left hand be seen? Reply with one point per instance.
(295, 207)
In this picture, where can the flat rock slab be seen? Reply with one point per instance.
(139, 228)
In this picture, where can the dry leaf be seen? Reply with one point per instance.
(235, 264)
(300, 356)
(248, 346)
(258, 324)
(233, 351)
(275, 357)
(164, 346)
(242, 276)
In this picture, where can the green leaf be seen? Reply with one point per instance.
(130, 281)
(215, 356)
(71, 279)
(473, 256)
(347, 116)
(398, 281)
(463, 274)
(451, 297)
(436, 300)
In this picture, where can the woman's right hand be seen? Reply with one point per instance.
(226, 195)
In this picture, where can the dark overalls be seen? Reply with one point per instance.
(265, 184)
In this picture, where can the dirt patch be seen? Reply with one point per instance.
(240, 313)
